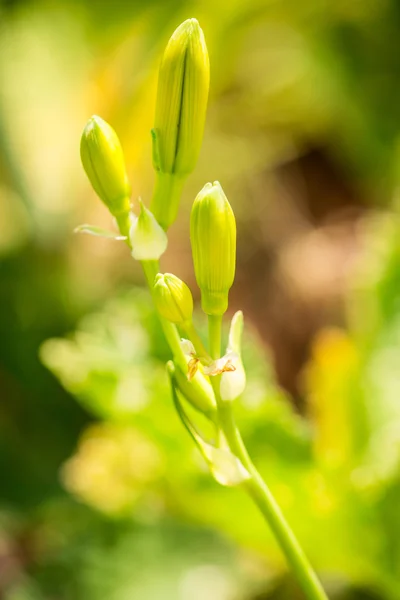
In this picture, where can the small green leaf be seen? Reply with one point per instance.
(99, 232)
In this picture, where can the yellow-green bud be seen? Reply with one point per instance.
(147, 238)
(213, 239)
(103, 161)
(183, 84)
(173, 298)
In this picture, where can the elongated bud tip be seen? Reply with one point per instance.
(104, 163)
(213, 239)
(147, 238)
(173, 298)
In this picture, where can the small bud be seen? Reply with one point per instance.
(104, 163)
(148, 240)
(173, 298)
(182, 94)
(213, 239)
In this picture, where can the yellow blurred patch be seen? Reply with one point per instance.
(113, 467)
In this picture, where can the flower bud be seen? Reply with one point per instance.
(104, 163)
(182, 94)
(147, 238)
(173, 298)
(213, 239)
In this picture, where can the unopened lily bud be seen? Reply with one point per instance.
(182, 95)
(213, 239)
(103, 161)
(147, 238)
(173, 298)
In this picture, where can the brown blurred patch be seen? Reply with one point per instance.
(294, 255)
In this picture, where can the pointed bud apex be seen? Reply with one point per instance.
(173, 298)
(213, 238)
(182, 95)
(104, 163)
(148, 240)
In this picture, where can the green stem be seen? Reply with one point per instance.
(263, 498)
(166, 197)
(214, 335)
(191, 333)
(123, 223)
(255, 486)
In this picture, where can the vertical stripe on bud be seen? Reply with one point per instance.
(182, 95)
(182, 99)
(147, 238)
(173, 298)
(213, 239)
(103, 161)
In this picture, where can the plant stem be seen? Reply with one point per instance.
(262, 496)
(255, 485)
(257, 488)
(191, 333)
(214, 335)
(166, 196)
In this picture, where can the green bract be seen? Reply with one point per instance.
(182, 94)
(173, 298)
(213, 239)
(103, 161)
(147, 239)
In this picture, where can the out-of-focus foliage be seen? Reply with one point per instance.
(333, 485)
(107, 497)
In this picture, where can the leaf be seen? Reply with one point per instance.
(224, 466)
(99, 232)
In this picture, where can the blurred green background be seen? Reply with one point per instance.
(102, 494)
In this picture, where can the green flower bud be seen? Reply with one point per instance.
(213, 239)
(182, 94)
(173, 298)
(147, 238)
(103, 161)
